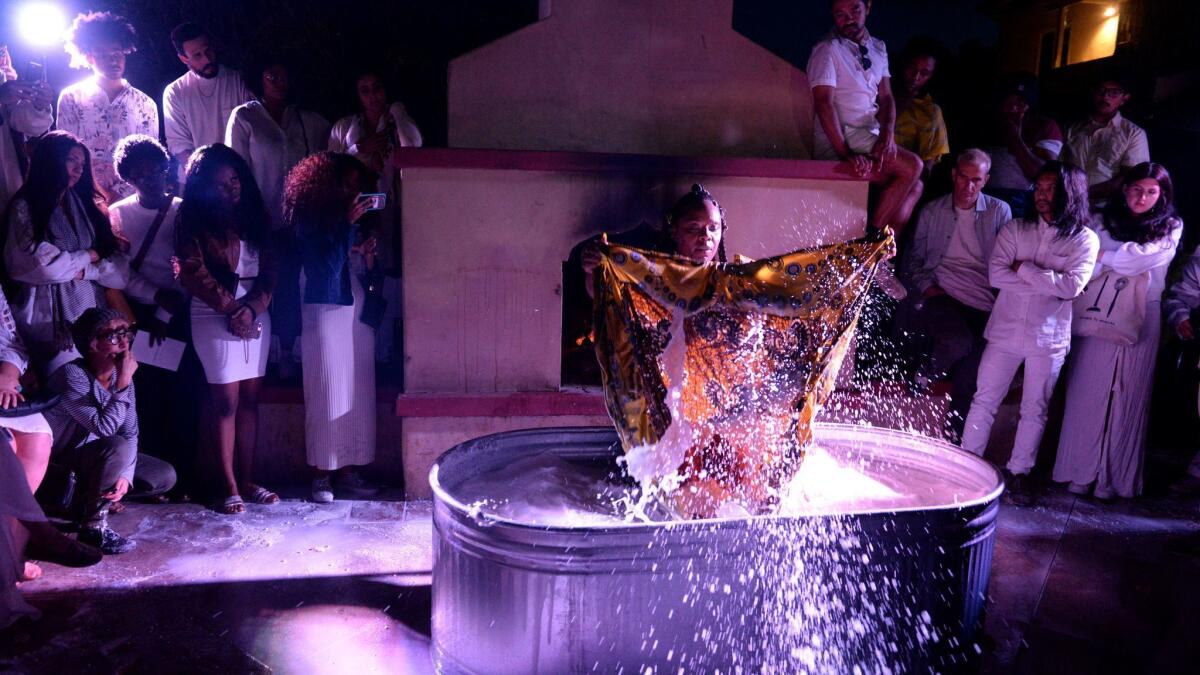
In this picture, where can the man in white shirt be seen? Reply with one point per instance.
(26, 109)
(104, 108)
(948, 267)
(1039, 266)
(1106, 145)
(856, 113)
(196, 107)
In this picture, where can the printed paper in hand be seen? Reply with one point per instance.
(166, 355)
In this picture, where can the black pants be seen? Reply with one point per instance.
(97, 466)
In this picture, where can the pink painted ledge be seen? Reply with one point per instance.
(588, 162)
(517, 404)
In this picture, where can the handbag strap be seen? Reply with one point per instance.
(136, 265)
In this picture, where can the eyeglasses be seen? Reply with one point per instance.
(116, 336)
(1110, 92)
(862, 57)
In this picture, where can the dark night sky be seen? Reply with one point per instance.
(416, 38)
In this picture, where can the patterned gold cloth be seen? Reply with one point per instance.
(763, 342)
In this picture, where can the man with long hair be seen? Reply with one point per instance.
(1039, 267)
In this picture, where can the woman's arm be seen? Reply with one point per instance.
(103, 420)
(38, 263)
(197, 280)
(260, 293)
(1134, 258)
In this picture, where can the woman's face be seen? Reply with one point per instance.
(697, 233)
(371, 94)
(114, 338)
(229, 186)
(275, 83)
(1142, 195)
(75, 164)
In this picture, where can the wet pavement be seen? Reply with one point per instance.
(1077, 586)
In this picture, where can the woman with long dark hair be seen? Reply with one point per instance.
(59, 249)
(1103, 442)
(322, 205)
(227, 264)
(1039, 266)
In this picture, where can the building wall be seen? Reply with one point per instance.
(484, 251)
(667, 77)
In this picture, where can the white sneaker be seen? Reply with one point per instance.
(322, 491)
(885, 276)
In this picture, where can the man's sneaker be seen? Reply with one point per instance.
(352, 482)
(885, 276)
(1081, 489)
(107, 540)
(1018, 488)
(322, 491)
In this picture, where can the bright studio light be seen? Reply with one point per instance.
(1110, 11)
(41, 24)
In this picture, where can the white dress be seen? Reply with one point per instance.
(225, 357)
(338, 357)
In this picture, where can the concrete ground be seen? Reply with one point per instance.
(1077, 586)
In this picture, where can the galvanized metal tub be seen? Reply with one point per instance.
(900, 589)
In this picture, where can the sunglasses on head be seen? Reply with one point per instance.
(862, 57)
(116, 336)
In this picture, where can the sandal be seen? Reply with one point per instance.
(261, 495)
(233, 505)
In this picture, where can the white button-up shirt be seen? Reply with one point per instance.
(837, 62)
(100, 123)
(1104, 150)
(1032, 313)
(272, 150)
(953, 257)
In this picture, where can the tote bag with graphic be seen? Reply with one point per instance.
(1112, 307)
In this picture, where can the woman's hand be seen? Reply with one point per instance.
(118, 491)
(367, 249)
(10, 384)
(358, 209)
(95, 257)
(157, 330)
(126, 367)
(241, 323)
(1184, 330)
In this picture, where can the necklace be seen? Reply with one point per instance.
(200, 86)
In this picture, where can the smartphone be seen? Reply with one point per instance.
(34, 70)
(377, 200)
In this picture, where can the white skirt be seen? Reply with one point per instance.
(227, 358)
(33, 423)
(338, 356)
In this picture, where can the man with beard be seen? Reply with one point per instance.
(104, 108)
(196, 107)
(1106, 145)
(856, 113)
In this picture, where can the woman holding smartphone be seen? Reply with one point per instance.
(228, 266)
(322, 203)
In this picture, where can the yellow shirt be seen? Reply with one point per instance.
(921, 129)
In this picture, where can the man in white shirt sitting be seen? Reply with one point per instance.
(1106, 145)
(948, 268)
(104, 108)
(856, 113)
(196, 107)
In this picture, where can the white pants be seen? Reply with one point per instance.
(996, 371)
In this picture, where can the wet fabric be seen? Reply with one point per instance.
(763, 341)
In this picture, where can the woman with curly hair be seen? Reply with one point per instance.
(1103, 442)
(322, 205)
(104, 108)
(228, 266)
(59, 249)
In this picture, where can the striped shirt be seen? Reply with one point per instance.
(88, 411)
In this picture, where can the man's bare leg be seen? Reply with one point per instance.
(900, 182)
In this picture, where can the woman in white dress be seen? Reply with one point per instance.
(227, 264)
(1103, 442)
(371, 135)
(322, 205)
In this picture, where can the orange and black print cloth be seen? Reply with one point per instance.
(763, 341)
